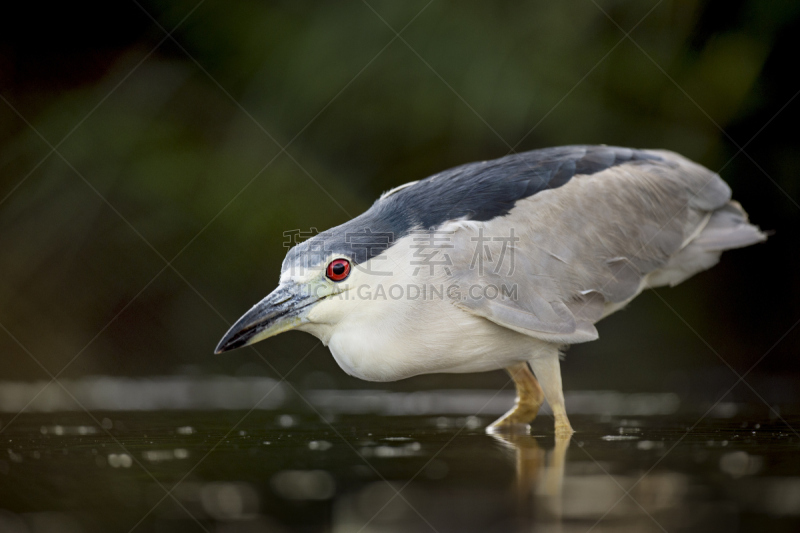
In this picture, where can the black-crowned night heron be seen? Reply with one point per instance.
(500, 264)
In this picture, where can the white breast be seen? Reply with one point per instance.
(392, 327)
(386, 345)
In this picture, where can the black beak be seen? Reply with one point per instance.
(285, 308)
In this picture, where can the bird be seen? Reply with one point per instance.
(501, 264)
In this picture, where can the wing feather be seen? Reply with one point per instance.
(590, 244)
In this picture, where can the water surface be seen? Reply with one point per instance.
(278, 470)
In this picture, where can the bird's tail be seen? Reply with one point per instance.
(725, 229)
(728, 228)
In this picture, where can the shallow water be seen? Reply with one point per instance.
(284, 471)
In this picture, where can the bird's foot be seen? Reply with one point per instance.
(516, 421)
(529, 398)
(508, 428)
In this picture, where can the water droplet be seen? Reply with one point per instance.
(319, 445)
(121, 460)
(473, 422)
(181, 453)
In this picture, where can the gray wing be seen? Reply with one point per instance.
(481, 191)
(585, 248)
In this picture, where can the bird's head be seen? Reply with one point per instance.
(315, 276)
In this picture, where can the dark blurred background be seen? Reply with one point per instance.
(169, 151)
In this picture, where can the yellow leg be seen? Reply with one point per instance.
(548, 370)
(529, 398)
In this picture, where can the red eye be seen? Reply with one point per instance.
(338, 269)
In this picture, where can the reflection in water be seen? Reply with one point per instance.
(592, 492)
(283, 470)
(539, 476)
(641, 478)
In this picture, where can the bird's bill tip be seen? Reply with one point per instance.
(238, 336)
(226, 345)
(241, 337)
(284, 309)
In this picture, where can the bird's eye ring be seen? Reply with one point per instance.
(338, 269)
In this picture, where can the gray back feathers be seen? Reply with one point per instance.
(479, 191)
(589, 247)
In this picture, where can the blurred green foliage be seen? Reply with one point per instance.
(170, 150)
